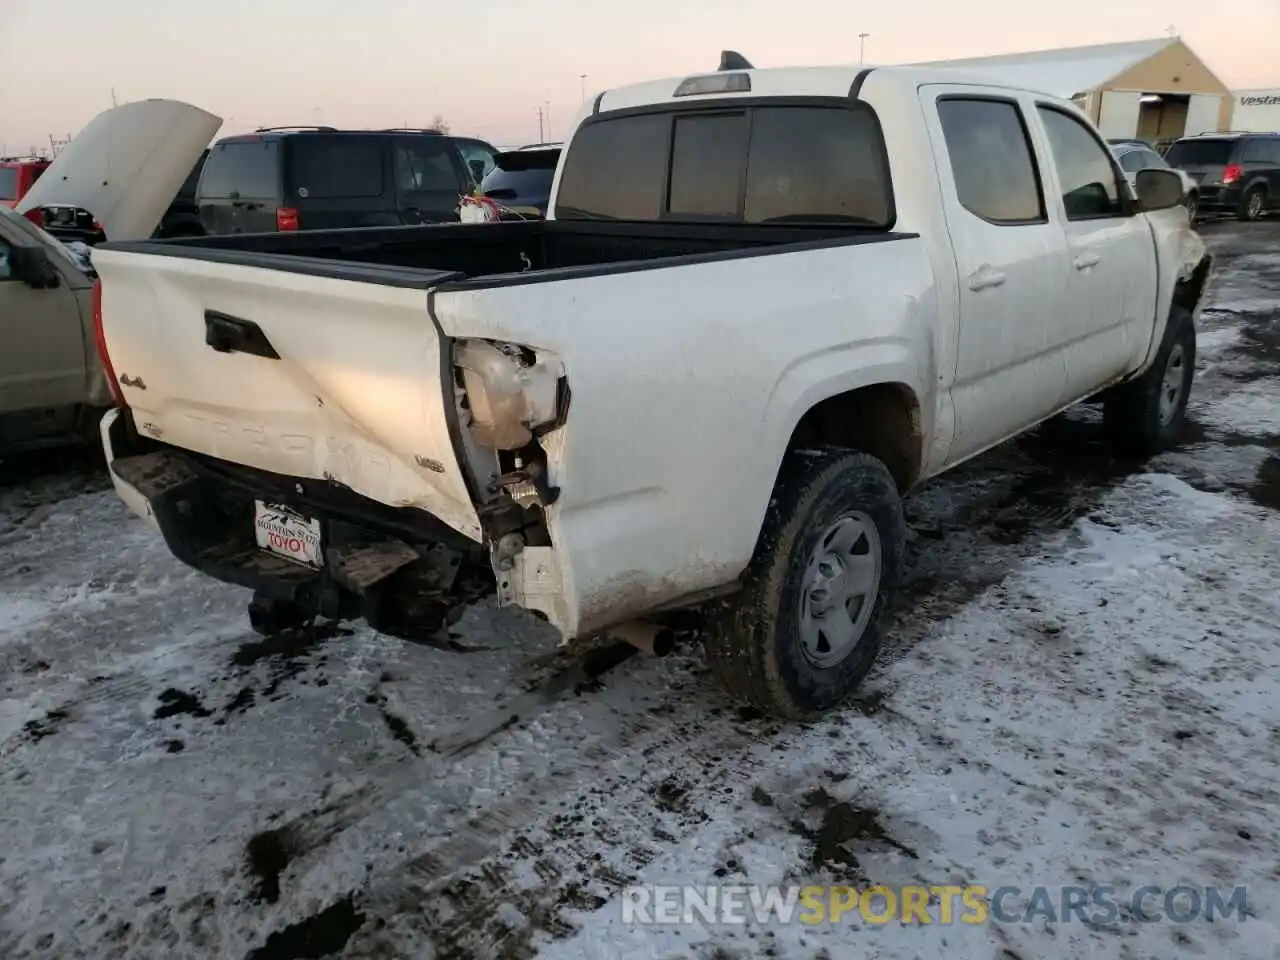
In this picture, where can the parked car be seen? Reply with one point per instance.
(17, 176)
(52, 388)
(765, 305)
(1135, 156)
(521, 180)
(289, 179)
(1236, 173)
(52, 385)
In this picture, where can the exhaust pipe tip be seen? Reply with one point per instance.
(651, 638)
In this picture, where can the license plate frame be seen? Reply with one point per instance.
(284, 532)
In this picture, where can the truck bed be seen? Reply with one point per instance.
(426, 256)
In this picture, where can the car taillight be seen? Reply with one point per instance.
(286, 219)
(100, 339)
(36, 216)
(1232, 173)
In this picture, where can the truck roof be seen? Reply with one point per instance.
(795, 82)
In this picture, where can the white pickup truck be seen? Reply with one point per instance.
(765, 305)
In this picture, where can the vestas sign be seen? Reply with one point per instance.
(1271, 100)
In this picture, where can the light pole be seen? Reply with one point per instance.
(862, 46)
(582, 86)
(548, 121)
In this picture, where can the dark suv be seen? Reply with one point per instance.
(1238, 173)
(318, 178)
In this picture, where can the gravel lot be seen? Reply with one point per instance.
(1080, 689)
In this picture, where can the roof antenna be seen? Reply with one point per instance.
(732, 60)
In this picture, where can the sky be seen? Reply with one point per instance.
(488, 69)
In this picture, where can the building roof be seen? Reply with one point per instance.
(1063, 73)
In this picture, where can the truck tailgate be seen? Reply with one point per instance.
(359, 392)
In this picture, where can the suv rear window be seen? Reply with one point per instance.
(522, 176)
(343, 167)
(243, 167)
(802, 164)
(1199, 153)
(8, 183)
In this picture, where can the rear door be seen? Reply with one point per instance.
(1260, 158)
(1111, 283)
(1011, 256)
(239, 187)
(429, 178)
(340, 180)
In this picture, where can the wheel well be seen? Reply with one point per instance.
(1188, 292)
(882, 420)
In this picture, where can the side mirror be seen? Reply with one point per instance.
(32, 266)
(1158, 189)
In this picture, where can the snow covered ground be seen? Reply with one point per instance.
(1079, 690)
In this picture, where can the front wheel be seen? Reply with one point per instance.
(1144, 416)
(805, 630)
(1193, 207)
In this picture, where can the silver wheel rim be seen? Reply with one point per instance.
(1171, 384)
(839, 590)
(1255, 205)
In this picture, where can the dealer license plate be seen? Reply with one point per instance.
(287, 533)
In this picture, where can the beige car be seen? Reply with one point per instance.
(124, 167)
(51, 384)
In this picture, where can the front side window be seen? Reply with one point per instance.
(991, 160)
(8, 183)
(802, 164)
(1088, 179)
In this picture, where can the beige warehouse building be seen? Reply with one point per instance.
(1156, 90)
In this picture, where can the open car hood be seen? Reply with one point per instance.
(126, 165)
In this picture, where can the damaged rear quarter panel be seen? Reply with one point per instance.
(686, 383)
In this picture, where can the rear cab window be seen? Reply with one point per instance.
(755, 164)
(245, 167)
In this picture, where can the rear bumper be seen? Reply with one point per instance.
(206, 518)
(1218, 199)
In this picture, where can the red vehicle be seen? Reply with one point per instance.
(17, 175)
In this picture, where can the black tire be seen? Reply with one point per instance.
(1253, 204)
(1193, 206)
(754, 644)
(1136, 422)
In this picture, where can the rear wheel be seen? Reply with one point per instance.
(1145, 416)
(806, 629)
(1253, 204)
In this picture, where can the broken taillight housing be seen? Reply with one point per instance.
(511, 391)
(100, 340)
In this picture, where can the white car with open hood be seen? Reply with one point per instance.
(765, 305)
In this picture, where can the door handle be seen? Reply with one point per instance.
(985, 277)
(1087, 261)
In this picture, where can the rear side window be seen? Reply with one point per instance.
(1200, 153)
(1085, 171)
(8, 183)
(759, 165)
(335, 168)
(245, 168)
(1261, 150)
(991, 160)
